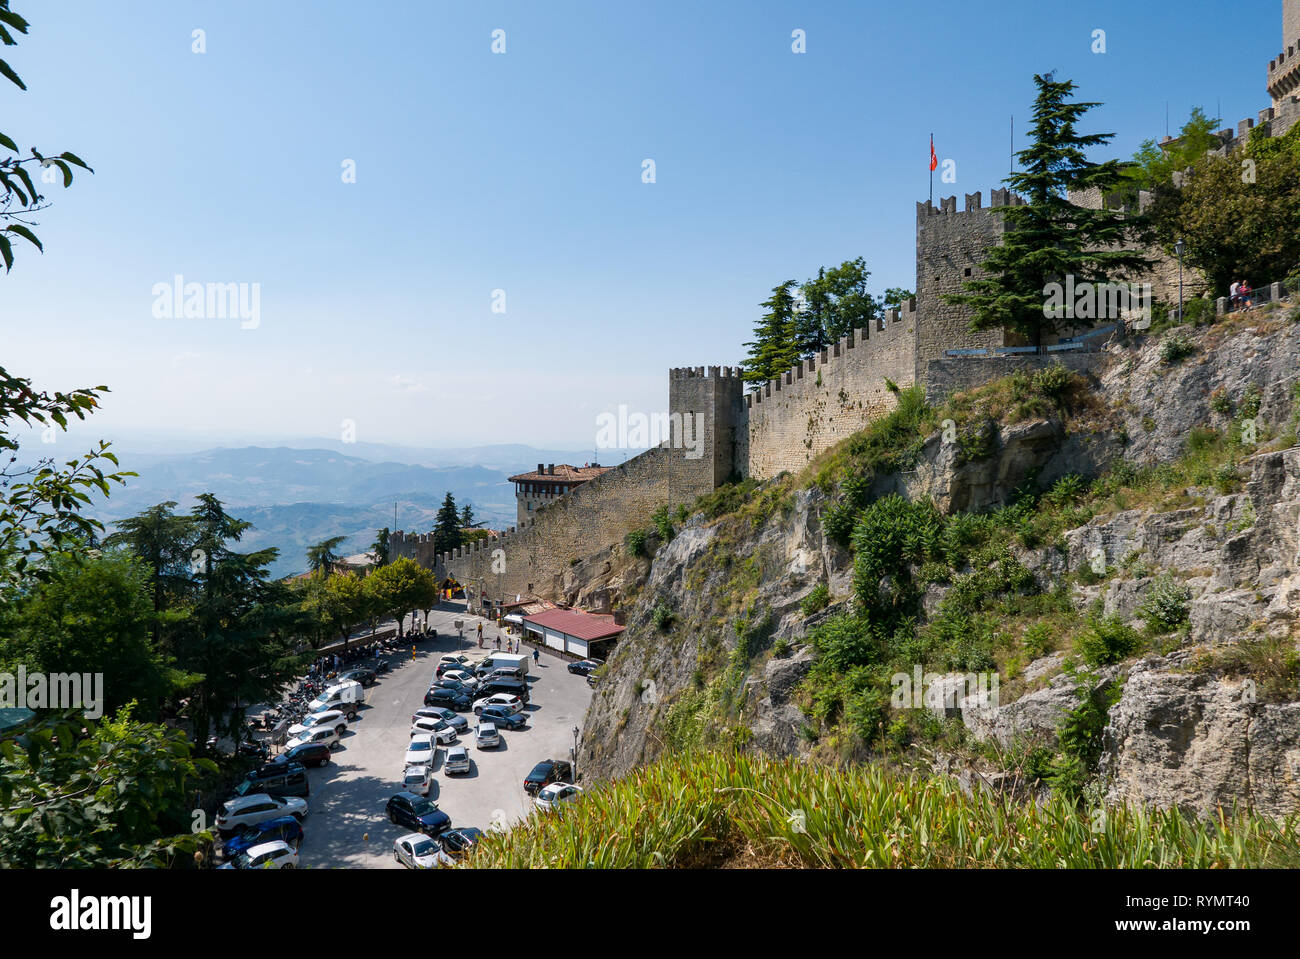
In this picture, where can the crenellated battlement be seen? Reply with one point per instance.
(702, 372)
(974, 204)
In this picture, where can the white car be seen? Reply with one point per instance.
(457, 760)
(326, 717)
(460, 675)
(460, 658)
(317, 734)
(440, 729)
(418, 779)
(421, 751)
(556, 795)
(259, 807)
(486, 736)
(268, 855)
(514, 704)
(415, 850)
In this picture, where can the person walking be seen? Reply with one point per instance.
(537, 656)
(480, 633)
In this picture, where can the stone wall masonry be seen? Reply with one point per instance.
(598, 514)
(949, 375)
(950, 246)
(828, 397)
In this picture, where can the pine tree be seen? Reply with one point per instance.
(446, 530)
(775, 348)
(467, 516)
(1048, 238)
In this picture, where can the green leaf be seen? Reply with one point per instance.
(6, 253)
(7, 71)
(7, 143)
(26, 234)
(73, 158)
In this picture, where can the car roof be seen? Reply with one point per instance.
(411, 837)
(484, 727)
(455, 750)
(264, 847)
(250, 799)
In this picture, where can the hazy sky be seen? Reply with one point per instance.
(520, 172)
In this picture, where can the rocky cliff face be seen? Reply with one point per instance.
(1193, 728)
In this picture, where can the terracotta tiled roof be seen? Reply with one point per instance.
(576, 623)
(563, 474)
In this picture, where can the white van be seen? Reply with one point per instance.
(346, 697)
(517, 663)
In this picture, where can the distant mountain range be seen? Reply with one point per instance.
(297, 497)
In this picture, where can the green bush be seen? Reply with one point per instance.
(838, 521)
(662, 617)
(1176, 348)
(817, 600)
(636, 542)
(663, 523)
(1039, 640)
(1106, 641)
(1166, 605)
(1052, 381)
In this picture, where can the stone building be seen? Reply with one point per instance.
(544, 485)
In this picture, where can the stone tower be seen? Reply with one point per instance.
(1284, 71)
(706, 412)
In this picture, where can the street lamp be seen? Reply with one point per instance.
(1180, 248)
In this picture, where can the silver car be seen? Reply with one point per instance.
(457, 760)
(486, 736)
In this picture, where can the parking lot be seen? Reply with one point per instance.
(347, 825)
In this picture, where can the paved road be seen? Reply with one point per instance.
(348, 796)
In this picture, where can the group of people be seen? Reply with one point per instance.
(1239, 294)
(510, 647)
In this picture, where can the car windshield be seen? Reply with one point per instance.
(423, 807)
(420, 744)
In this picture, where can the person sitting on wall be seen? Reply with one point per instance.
(1244, 292)
(1232, 293)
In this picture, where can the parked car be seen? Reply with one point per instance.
(269, 855)
(418, 779)
(503, 672)
(418, 813)
(326, 717)
(447, 698)
(421, 749)
(453, 660)
(284, 828)
(510, 687)
(309, 754)
(503, 718)
(551, 798)
(362, 674)
(459, 843)
(486, 736)
(249, 810)
(453, 718)
(456, 686)
(546, 772)
(275, 779)
(346, 696)
(511, 702)
(457, 761)
(462, 676)
(417, 851)
(323, 734)
(585, 667)
(440, 729)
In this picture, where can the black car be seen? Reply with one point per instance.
(416, 812)
(309, 754)
(585, 667)
(502, 718)
(546, 772)
(449, 698)
(458, 843)
(510, 687)
(363, 675)
(456, 685)
(275, 779)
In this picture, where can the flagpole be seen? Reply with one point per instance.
(931, 166)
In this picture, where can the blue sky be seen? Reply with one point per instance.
(519, 172)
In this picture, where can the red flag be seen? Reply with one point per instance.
(934, 160)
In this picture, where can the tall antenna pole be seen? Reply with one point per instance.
(1166, 118)
(1013, 143)
(394, 516)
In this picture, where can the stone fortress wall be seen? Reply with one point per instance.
(720, 432)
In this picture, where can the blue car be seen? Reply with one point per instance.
(286, 827)
(418, 813)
